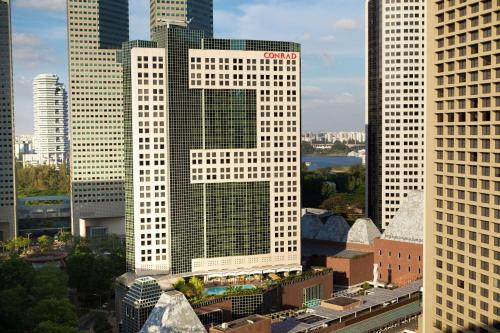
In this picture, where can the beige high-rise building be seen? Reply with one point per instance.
(198, 13)
(394, 104)
(7, 179)
(462, 234)
(96, 30)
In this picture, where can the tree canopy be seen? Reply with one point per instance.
(34, 300)
(342, 192)
(42, 180)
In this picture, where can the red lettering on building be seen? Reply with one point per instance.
(280, 55)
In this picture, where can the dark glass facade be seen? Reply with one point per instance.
(7, 186)
(230, 119)
(237, 219)
(374, 116)
(112, 14)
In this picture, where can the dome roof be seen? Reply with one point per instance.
(363, 231)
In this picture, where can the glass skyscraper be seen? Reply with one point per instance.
(199, 14)
(96, 31)
(212, 154)
(7, 181)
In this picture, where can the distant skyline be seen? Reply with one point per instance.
(331, 33)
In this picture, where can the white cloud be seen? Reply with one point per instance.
(48, 5)
(344, 98)
(347, 24)
(28, 52)
(23, 39)
(311, 90)
(33, 57)
(328, 39)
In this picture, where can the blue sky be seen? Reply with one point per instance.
(330, 31)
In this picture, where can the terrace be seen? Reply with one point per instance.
(375, 302)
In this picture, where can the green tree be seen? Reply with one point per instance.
(90, 273)
(79, 267)
(42, 180)
(51, 327)
(58, 311)
(65, 237)
(15, 271)
(328, 189)
(197, 286)
(45, 242)
(50, 282)
(182, 286)
(311, 189)
(306, 148)
(13, 303)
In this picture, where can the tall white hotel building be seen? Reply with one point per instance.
(394, 115)
(212, 151)
(51, 120)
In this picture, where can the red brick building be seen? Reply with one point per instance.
(351, 259)
(399, 252)
(352, 252)
(399, 262)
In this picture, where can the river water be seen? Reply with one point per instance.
(323, 161)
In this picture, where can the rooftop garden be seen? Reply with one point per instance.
(196, 291)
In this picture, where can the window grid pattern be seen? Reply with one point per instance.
(402, 62)
(171, 123)
(96, 30)
(464, 212)
(242, 65)
(7, 183)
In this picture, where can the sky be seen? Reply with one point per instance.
(331, 33)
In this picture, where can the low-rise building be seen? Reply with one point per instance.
(46, 215)
(347, 251)
(398, 253)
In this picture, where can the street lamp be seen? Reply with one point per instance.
(29, 234)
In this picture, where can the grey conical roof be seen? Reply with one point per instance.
(335, 230)
(363, 231)
(173, 314)
(408, 223)
(310, 226)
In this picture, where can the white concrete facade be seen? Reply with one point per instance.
(50, 105)
(276, 159)
(401, 53)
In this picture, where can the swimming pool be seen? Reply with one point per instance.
(222, 290)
